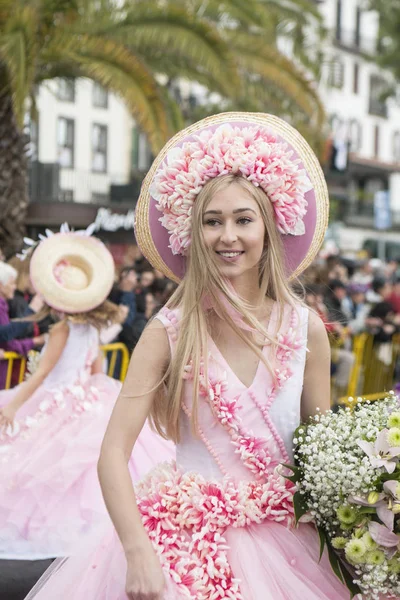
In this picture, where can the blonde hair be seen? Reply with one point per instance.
(203, 280)
(101, 316)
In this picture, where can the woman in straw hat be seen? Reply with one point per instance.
(51, 426)
(234, 207)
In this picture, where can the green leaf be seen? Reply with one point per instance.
(341, 570)
(367, 510)
(322, 541)
(300, 507)
(334, 561)
(348, 580)
(296, 473)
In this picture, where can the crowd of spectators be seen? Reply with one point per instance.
(351, 297)
(138, 287)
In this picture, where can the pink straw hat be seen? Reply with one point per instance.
(261, 147)
(73, 272)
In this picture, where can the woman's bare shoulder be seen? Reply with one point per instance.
(153, 344)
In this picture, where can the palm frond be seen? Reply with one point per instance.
(258, 58)
(148, 30)
(117, 69)
(18, 52)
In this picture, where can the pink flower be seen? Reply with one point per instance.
(380, 453)
(253, 152)
(187, 517)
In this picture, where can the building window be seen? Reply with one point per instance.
(336, 73)
(100, 96)
(338, 31)
(357, 31)
(66, 90)
(98, 198)
(65, 142)
(355, 133)
(377, 102)
(33, 145)
(356, 75)
(66, 196)
(376, 141)
(396, 146)
(99, 148)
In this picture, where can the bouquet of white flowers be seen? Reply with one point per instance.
(347, 474)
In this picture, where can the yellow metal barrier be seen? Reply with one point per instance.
(110, 351)
(350, 401)
(374, 366)
(12, 357)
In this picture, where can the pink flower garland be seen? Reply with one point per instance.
(186, 518)
(254, 452)
(253, 152)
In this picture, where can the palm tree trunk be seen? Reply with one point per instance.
(13, 180)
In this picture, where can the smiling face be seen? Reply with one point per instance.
(233, 229)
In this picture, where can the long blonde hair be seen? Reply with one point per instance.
(102, 316)
(203, 280)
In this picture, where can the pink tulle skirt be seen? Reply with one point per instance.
(213, 542)
(271, 562)
(50, 497)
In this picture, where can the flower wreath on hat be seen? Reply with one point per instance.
(252, 152)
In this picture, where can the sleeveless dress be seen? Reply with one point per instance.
(221, 518)
(50, 497)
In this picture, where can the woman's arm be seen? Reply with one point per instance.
(97, 364)
(317, 374)
(148, 365)
(57, 340)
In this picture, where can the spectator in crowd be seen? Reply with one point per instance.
(18, 329)
(392, 270)
(380, 291)
(364, 273)
(124, 293)
(394, 297)
(8, 277)
(356, 308)
(147, 279)
(334, 298)
(342, 357)
(19, 306)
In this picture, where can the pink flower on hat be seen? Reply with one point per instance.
(253, 152)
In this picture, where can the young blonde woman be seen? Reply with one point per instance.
(234, 207)
(52, 425)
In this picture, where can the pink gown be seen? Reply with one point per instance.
(221, 518)
(50, 497)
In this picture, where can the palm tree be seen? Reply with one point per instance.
(135, 48)
(253, 30)
(48, 39)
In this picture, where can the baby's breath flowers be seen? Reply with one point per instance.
(348, 480)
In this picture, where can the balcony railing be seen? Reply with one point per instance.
(362, 215)
(48, 182)
(349, 38)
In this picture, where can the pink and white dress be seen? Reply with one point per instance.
(50, 497)
(221, 517)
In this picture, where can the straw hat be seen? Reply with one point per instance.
(73, 272)
(207, 149)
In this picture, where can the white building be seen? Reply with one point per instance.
(86, 141)
(83, 139)
(362, 122)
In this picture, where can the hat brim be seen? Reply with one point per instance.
(300, 251)
(88, 251)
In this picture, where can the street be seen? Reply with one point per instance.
(17, 577)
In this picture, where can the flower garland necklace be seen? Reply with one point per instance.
(254, 452)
